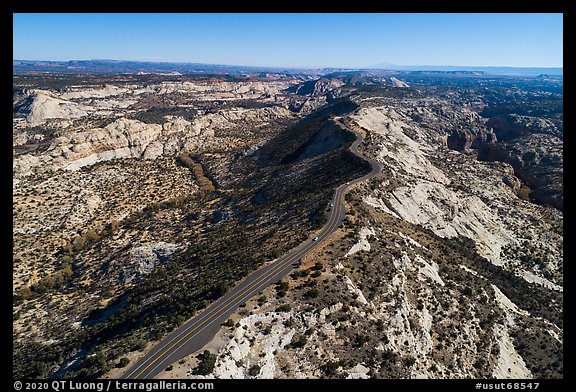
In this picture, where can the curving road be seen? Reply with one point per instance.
(198, 331)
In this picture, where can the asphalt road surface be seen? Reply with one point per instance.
(198, 331)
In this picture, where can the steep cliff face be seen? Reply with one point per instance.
(464, 140)
(510, 126)
(532, 146)
(537, 160)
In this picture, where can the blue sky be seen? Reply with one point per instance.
(295, 40)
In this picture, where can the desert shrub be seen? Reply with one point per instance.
(208, 362)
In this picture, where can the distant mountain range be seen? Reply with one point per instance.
(489, 70)
(134, 67)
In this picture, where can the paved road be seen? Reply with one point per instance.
(198, 331)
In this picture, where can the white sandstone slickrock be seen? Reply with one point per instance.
(510, 363)
(239, 355)
(355, 290)
(123, 138)
(429, 194)
(358, 372)
(43, 105)
(74, 147)
(408, 154)
(378, 203)
(398, 82)
(106, 91)
(429, 270)
(363, 243)
(533, 278)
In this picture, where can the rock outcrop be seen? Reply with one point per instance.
(464, 140)
(315, 87)
(37, 106)
(398, 82)
(145, 258)
(537, 160)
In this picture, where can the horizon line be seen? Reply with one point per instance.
(367, 67)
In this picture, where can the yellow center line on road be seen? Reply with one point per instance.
(288, 260)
